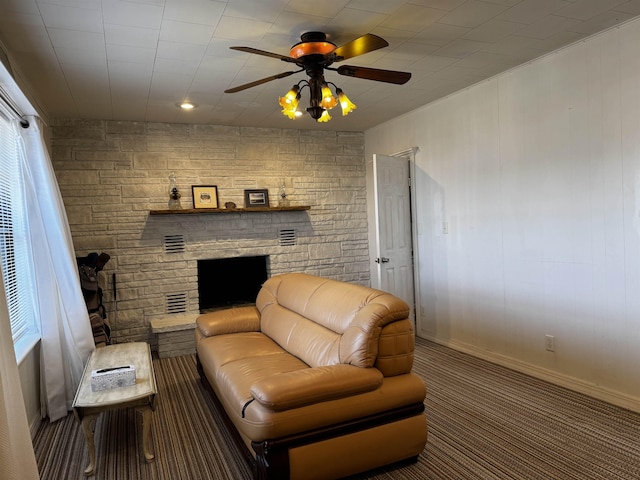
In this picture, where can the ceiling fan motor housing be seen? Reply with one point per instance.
(313, 37)
(313, 44)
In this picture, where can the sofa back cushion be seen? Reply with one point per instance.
(326, 322)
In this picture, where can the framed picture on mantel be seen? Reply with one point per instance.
(256, 198)
(205, 196)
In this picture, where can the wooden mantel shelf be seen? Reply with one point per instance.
(197, 211)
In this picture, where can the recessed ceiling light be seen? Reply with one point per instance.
(187, 106)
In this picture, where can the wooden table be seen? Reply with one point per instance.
(87, 405)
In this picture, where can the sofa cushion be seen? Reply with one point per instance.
(235, 362)
(303, 387)
(342, 321)
(305, 339)
(229, 320)
(236, 378)
(219, 350)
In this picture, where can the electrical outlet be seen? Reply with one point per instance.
(445, 228)
(550, 343)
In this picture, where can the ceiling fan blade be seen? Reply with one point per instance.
(260, 82)
(361, 45)
(264, 53)
(388, 76)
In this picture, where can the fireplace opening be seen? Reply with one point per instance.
(230, 282)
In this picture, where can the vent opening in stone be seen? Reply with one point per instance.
(287, 237)
(174, 243)
(176, 302)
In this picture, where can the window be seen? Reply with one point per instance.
(15, 252)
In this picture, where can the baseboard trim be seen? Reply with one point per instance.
(610, 396)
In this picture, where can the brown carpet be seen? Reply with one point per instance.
(485, 422)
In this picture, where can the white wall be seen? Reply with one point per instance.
(537, 172)
(29, 370)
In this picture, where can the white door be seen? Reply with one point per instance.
(394, 247)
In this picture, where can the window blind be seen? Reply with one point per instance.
(14, 243)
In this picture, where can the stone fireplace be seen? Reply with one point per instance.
(113, 173)
(230, 282)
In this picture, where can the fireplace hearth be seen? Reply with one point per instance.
(230, 282)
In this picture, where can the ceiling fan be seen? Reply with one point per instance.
(314, 54)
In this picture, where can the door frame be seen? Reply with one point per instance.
(409, 154)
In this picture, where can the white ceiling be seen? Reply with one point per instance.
(137, 59)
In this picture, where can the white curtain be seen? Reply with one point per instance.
(67, 339)
(17, 460)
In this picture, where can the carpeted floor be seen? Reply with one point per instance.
(485, 422)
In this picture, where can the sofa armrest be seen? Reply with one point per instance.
(313, 385)
(230, 320)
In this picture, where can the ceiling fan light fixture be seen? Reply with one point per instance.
(322, 100)
(325, 117)
(291, 113)
(291, 97)
(315, 112)
(347, 105)
(328, 100)
(289, 103)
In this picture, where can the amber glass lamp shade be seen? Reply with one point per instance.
(328, 100)
(325, 117)
(346, 104)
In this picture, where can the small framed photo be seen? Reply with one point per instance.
(205, 196)
(256, 198)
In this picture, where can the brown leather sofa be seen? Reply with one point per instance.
(316, 378)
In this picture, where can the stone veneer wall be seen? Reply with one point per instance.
(112, 173)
